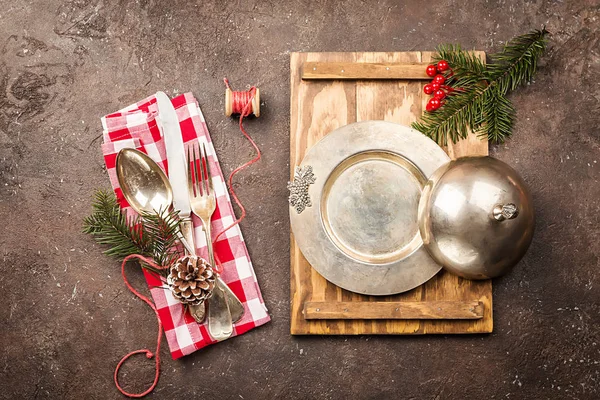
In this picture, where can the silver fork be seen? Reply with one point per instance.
(203, 204)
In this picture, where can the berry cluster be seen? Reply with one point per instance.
(437, 87)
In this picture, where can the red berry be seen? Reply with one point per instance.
(433, 104)
(439, 94)
(428, 89)
(431, 70)
(439, 78)
(442, 65)
(435, 86)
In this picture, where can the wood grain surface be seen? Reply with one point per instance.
(363, 70)
(317, 108)
(393, 310)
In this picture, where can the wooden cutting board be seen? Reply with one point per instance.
(329, 90)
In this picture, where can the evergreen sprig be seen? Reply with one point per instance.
(111, 227)
(152, 235)
(463, 63)
(479, 103)
(163, 229)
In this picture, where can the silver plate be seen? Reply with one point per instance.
(360, 230)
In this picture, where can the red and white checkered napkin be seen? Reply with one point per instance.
(137, 126)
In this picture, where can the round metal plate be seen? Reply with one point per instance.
(361, 232)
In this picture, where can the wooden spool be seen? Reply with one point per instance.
(229, 103)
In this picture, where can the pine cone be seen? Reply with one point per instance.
(191, 280)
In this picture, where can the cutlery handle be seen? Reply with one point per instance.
(236, 308)
(220, 326)
(209, 245)
(187, 230)
(235, 305)
(198, 312)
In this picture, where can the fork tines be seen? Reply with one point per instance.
(199, 176)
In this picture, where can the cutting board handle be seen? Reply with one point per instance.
(394, 310)
(363, 70)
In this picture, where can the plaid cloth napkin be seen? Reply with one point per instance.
(138, 126)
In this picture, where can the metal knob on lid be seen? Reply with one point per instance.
(476, 217)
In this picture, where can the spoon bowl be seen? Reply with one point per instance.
(143, 183)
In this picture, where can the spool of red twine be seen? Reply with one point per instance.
(235, 102)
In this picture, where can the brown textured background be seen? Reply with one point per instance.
(66, 315)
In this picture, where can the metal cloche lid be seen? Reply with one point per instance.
(476, 217)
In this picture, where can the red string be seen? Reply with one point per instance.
(149, 354)
(242, 105)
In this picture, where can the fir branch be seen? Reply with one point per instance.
(163, 229)
(463, 62)
(480, 103)
(517, 62)
(109, 226)
(461, 112)
(151, 235)
(498, 119)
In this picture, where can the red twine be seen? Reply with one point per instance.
(149, 354)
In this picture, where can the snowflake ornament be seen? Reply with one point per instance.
(303, 178)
